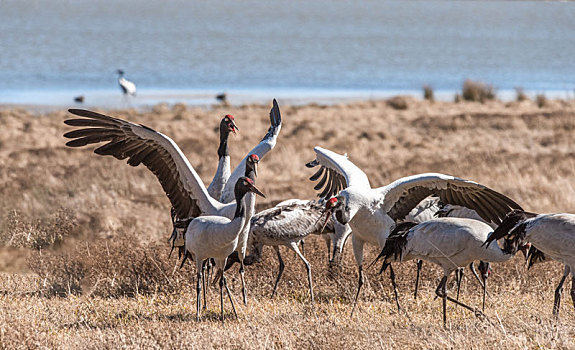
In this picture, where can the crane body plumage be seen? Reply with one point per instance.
(451, 243)
(217, 237)
(551, 234)
(373, 212)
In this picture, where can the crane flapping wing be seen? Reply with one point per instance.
(338, 173)
(261, 149)
(402, 195)
(141, 144)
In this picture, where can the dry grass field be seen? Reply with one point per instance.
(84, 258)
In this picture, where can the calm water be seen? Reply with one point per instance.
(308, 47)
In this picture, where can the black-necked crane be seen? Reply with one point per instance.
(552, 234)
(161, 155)
(287, 224)
(430, 208)
(373, 212)
(128, 87)
(217, 237)
(223, 172)
(451, 243)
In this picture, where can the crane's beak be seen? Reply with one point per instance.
(256, 191)
(233, 127)
(256, 169)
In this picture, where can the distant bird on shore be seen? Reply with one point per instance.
(223, 98)
(373, 212)
(552, 234)
(79, 99)
(128, 87)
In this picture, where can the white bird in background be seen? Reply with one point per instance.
(217, 237)
(373, 212)
(161, 155)
(552, 234)
(451, 243)
(128, 87)
(287, 224)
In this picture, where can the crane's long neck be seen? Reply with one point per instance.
(223, 149)
(494, 253)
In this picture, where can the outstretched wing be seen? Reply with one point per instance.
(336, 173)
(262, 148)
(156, 151)
(402, 195)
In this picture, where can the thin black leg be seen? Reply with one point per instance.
(281, 270)
(442, 293)
(558, 292)
(419, 264)
(244, 290)
(573, 290)
(222, 296)
(198, 290)
(459, 277)
(392, 277)
(229, 295)
(359, 284)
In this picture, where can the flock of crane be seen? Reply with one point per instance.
(431, 217)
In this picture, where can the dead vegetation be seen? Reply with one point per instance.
(85, 236)
(476, 91)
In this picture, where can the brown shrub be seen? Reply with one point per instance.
(111, 268)
(541, 100)
(477, 91)
(397, 102)
(428, 93)
(38, 234)
(520, 95)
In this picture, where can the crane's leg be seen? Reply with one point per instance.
(458, 277)
(244, 290)
(198, 290)
(280, 271)
(559, 291)
(229, 295)
(392, 277)
(294, 247)
(573, 290)
(302, 246)
(221, 283)
(442, 293)
(358, 254)
(472, 268)
(419, 264)
(204, 284)
(484, 293)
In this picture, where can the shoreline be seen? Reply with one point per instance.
(113, 99)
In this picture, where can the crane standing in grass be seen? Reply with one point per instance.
(217, 237)
(373, 212)
(451, 243)
(552, 234)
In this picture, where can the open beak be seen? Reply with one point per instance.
(233, 127)
(256, 191)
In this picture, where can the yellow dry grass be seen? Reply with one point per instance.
(519, 149)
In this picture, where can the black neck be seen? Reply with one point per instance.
(223, 149)
(250, 172)
(240, 207)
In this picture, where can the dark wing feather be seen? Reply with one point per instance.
(404, 194)
(142, 145)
